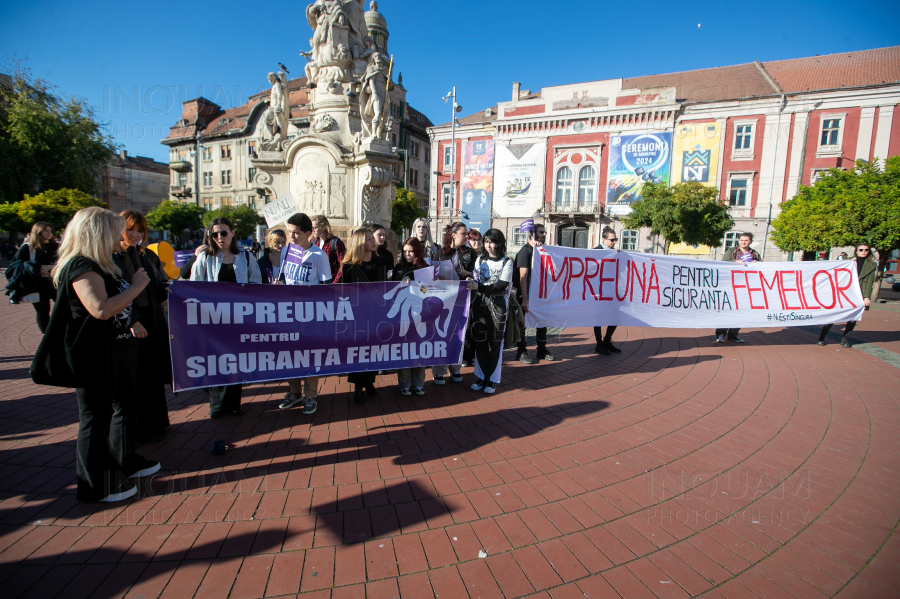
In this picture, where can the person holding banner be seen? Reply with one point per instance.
(521, 279)
(362, 265)
(492, 284)
(223, 262)
(866, 268)
(91, 327)
(302, 264)
(477, 244)
(742, 254)
(410, 380)
(604, 345)
(270, 261)
(462, 258)
(431, 251)
(148, 360)
(328, 243)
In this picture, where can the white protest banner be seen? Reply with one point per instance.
(425, 275)
(576, 288)
(280, 210)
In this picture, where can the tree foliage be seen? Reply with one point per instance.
(687, 212)
(405, 210)
(243, 217)
(47, 141)
(844, 208)
(56, 207)
(175, 218)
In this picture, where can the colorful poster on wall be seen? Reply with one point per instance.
(519, 172)
(696, 153)
(633, 161)
(477, 184)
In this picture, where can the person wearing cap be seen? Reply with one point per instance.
(521, 279)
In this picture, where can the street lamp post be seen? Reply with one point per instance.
(454, 109)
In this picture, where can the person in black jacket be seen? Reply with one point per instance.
(462, 258)
(412, 258)
(40, 248)
(604, 345)
(149, 362)
(270, 261)
(361, 264)
(742, 254)
(380, 238)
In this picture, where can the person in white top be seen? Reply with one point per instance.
(302, 263)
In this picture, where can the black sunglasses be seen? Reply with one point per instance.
(219, 233)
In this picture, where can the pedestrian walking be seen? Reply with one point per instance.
(866, 268)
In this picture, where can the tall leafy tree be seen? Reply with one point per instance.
(47, 141)
(404, 210)
(844, 208)
(687, 212)
(243, 217)
(175, 218)
(56, 207)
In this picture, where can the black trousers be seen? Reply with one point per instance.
(226, 399)
(598, 334)
(363, 379)
(43, 313)
(487, 339)
(106, 440)
(151, 411)
(729, 333)
(541, 334)
(848, 328)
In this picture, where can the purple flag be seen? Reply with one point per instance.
(228, 333)
(182, 258)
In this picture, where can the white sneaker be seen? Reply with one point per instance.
(112, 497)
(720, 339)
(290, 401)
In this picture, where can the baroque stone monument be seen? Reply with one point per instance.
(342, 166)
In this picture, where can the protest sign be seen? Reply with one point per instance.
(575, 288)
(183, 257)
(228, 333)
(280, 210)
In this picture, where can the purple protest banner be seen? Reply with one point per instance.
(227, 333)
(182, 258)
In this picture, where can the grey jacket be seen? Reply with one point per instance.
(206, 268)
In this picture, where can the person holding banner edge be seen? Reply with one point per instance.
(604, 345)
(410, 380)
(310, 267)
(521, 279)
(866, 268)
(223, 262)
(462, 258)
(742, 254)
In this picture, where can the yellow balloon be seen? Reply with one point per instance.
(166, 255)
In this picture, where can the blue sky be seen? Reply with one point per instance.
(136, 62)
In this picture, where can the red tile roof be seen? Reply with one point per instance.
(833, 71)
(705, 85)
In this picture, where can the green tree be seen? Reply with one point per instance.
(844, 208)
(47, 141)
(686, 212)
(175, 218)
(404, 210)
(56, 207)
(244, 218)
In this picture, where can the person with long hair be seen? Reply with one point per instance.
(462, 259)
(332, 246)
(476, 242)
(40, 248)
(362, 265)
(270, 261)
(492, 284)
(422, 232)
(223, 262)
(867, 269)
(385, 254)
(410, 380)
(97, 324)
(148, 359)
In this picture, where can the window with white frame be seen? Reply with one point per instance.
(831, 132)
(744, 137)
(225, 151)
(518, 237)
(207, 179)
(731, 240)
(587, 187)
(739, 186)
(207, 152)
(629, 240)
(448, 158)
(182, 179)
(446, 197)
(564, 188)
(226, 177)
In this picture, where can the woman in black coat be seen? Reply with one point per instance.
(150, 364)
(41, 248)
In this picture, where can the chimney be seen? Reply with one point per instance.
(123, 154)
(516, 86)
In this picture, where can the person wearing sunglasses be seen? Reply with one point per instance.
(604, 345)
(223, 262)
(866, 268)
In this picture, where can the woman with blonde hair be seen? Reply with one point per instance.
(40, 249)
(270, 261)
(149, 361)
(332, 246)
(89, 330)
(422, 232)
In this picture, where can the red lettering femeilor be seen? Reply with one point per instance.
(572, 274)
(547, 266)
(622, 297)
(802, 293)
(603, 264)
(750, 290)
(762, 278)
(654, 282)
(638, 279)
(785, 289)
(840, 290)
(587, 279)
(735, 286)
(816, 293)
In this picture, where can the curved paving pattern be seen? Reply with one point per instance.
(677, 468)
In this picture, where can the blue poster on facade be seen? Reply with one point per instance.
(633, 161)
(477, 184)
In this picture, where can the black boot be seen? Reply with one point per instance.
(607, 343)
(358, 396)
(600, 348)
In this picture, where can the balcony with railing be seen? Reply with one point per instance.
(572, 206)
(180, 166)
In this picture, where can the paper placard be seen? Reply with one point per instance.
(280, 210)
(183, 257)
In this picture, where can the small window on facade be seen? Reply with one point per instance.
(447, 197)
(831, 130)
(207, 153)
(448, 157)
(519, 238)
(226, 151)
(738, 195)
(731, 239)
(251, 172)
(587, 182)
(182, 179)
(563, 186)
(251, 148)
(629, 240)
(743, 134)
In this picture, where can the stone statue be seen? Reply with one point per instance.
(372, 96)
(275, 119)
(339, 31)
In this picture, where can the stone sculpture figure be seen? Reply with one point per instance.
(339, 29)
(275, 119)
(375, 86)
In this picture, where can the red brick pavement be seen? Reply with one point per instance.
(677, 468)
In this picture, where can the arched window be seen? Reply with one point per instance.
(587, 188)
(563, 188)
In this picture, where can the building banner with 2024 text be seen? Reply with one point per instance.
(228, 333)
(576, 288)
(633, 161)
(519, 179)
